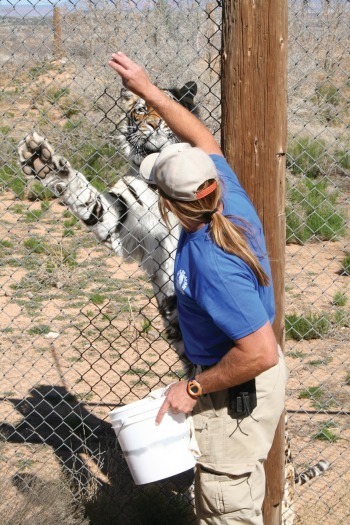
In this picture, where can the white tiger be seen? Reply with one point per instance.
(126, 219)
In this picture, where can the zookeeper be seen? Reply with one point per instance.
(226, 309)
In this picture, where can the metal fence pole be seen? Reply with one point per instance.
(254, 114)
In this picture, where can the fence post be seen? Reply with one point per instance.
(254, 134)
(57, 33)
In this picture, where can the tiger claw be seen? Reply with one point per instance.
(37, 157)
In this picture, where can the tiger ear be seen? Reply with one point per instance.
(185, 96)
(125, 94)
(126, 99)
(189, 89)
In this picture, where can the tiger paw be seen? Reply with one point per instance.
(37, 158)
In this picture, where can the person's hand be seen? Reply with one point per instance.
(177, 400)
(134, 77)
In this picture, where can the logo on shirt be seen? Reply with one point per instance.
(181, 281)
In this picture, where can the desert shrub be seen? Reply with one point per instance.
(54, 94)
(4, 243)
(340, 299)
(312, 213)
(97, 158)
(306, 326)
(327, 92)
(11, 179)
(36, 191)
(319, 397)
(40, 68)
(296, 232)
(97, 298)
(325, 434)
(69, 107)
(342, 157)
(325, 223)
(35, 245)
(346, 264)
(307, 156)
(312, 392)
(31, 501)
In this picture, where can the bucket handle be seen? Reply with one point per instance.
(121, 427)
(127, 419)
(125, 422)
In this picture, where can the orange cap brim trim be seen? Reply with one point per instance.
(203, 193)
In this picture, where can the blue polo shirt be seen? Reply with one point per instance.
(219, 297)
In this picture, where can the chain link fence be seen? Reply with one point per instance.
(81, 331)
(317, 265)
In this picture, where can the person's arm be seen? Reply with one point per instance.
(250, 356)
(183, 123)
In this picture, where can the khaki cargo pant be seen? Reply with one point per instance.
(230, 477)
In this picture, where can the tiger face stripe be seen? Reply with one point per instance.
(143, 131)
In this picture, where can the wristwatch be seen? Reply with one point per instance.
(194, 388)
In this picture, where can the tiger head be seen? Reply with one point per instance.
(142, 131)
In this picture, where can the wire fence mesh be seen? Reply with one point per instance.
(82, 331)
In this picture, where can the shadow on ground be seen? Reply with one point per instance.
(92, 463)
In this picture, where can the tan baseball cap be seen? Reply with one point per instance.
(179, 170)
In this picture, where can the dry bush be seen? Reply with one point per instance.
(32, 501)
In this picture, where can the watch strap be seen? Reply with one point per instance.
(194, 388)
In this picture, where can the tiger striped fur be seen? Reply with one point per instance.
(126, 219)
(142, 131)
(292, 478)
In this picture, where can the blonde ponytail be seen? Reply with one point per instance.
(233, 239)
(228, 235)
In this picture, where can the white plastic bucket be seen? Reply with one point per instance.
(152, 452)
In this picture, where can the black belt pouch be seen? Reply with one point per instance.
(242, 399)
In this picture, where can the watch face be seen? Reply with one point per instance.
(194, 388)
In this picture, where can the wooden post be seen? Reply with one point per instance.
(57, 33)
(254, 136)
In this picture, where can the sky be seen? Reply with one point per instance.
(31, 7)
(39, 3)
(34, 3)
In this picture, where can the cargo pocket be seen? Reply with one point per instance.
(200, 425)
(221, 494)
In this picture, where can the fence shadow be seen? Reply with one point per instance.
(92, 462)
